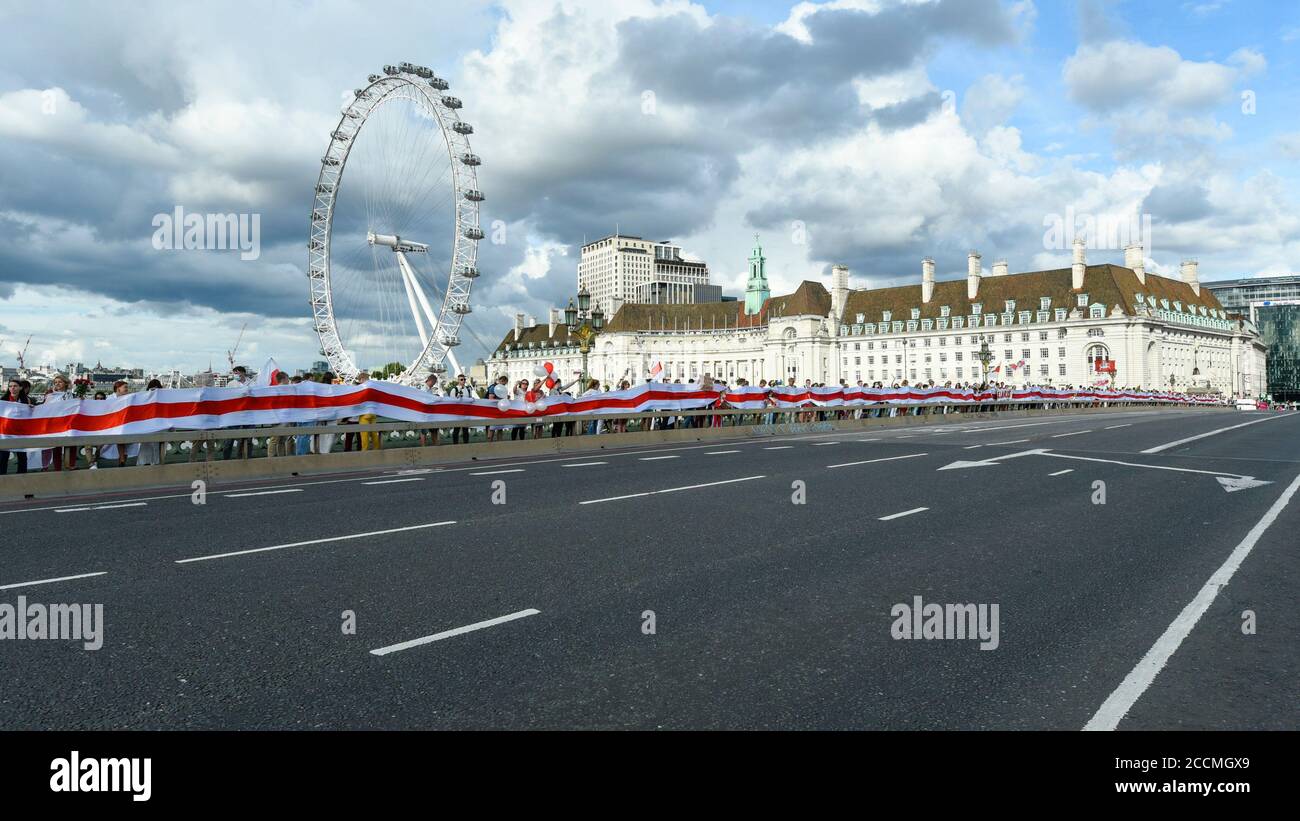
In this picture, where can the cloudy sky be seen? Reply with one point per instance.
(869, 132)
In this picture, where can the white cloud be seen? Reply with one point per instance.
(990, 101)
(1124, 74)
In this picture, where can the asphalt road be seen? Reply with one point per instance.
(767, 613)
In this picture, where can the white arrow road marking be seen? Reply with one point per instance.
(990, 461)
(1233, 485)
(1236, 481)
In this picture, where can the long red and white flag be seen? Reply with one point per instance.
(311, 402)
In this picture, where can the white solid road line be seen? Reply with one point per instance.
(1071, 433)
(656, 458)
(99, 507)
(262, 493)
(972, 447)
(780, 447)
(670, 490)
(1139, 465)
(51, 581)
(825, 443)
(1113, 710)
(582, 464)
(719, 452)
(904, 513)
(312, 541)
(497, 472)
(446, 634)
(1174, 444)
(1062, 472)
(395, 481)
(1113, 427)
(1012, 442)
(884, 459)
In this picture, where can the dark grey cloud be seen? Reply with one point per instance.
(1177, 202)
(769, 84)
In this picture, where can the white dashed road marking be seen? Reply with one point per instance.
(51, 581)
(459, 631)
(904, 513)
(312, 542)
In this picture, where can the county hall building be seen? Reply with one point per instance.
(1042, 327)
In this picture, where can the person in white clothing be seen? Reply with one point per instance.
(430, 436)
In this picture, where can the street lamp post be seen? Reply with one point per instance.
(985, 356)
(585, 324)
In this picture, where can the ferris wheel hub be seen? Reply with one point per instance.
(396, 243)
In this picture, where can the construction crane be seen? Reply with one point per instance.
(230, 354)
(22, 355)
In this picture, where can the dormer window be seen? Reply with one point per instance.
(1011, 306)
(1178, 306)
(1083, 300)
(1097, 312)
(1140, 298)
(1164, 303)
(977, 308)
(1024, 317)
(1060, 314)
(945, 311)
(887, 315)
(916, 313)
(860, 319)
(1044, 303)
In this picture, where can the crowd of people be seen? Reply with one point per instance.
(461, 387)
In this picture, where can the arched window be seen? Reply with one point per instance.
(1095, 352)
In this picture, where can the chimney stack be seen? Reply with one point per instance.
(1000, 268)
(927, 279)
(555, 319)
(519, 326)
(1079, 266)
(1191, 275)
(1134, 258)
(972, 274)
(839, 292)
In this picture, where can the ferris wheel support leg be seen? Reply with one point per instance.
(424, 302)
(455, 365)
(408, 280)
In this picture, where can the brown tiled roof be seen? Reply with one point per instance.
(541, 332)
(700, 316)
(809, 298)
(1109, 285)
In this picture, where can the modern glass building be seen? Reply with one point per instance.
(1272, 304)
